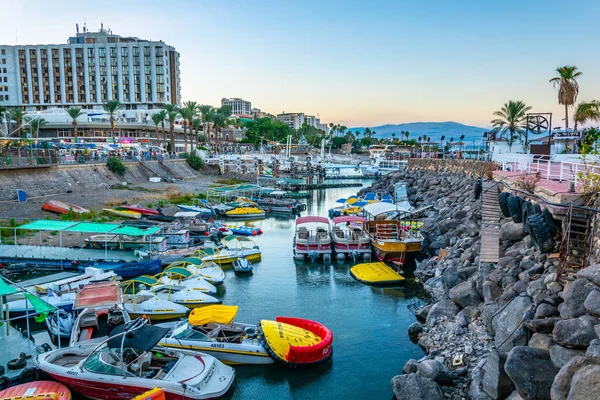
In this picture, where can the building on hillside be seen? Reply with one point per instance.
(89, 70)
(257, 114)
(293, 120)
(238, 106)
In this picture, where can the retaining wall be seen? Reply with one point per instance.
(464, 167)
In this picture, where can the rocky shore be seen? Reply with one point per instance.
(494, 331)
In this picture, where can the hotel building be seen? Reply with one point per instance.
(238, 106)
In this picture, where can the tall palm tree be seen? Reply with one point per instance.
(219, 121)
(407, 134)
(35, 124)
(196, 123)
(586, 112)
(157, 118)
(112, 106)
(193, 107)
(393, 137)
(171, 115)
(163, 117)
(16, 114)
(74, 113)
(206, 112)
(511, 120)
(186, 114)
(2, 111)
(568, 87)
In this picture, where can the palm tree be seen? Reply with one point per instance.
(157, 118)
(171, 115)
(163, 117)
(219, 121)
(407, 134)
(74, 113)
(186, 114)
(225, 111)
(196, 123)
(35, 124)
(586, 112)
(111, 107)
(16, 114)
(206, 112)
(393, 137)
(568, 87)
(193, 107)
(511, 119)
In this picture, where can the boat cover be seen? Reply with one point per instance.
(348, 218)
(178, 271)
(219, 314)
(376, 209)
(143, 339)
(309, 219)
(98, 295)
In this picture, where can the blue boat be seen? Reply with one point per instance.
(245, 230)
(127, 270)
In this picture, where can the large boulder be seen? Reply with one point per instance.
(594, 349)
(437, 372)
(450, 277)
(465, 294)
(512, 232)
(592, 303)
(422, 312)
(496, 382)
(541, 341)
(575, 332)
(585, 384)
(531, 371)
(591, 273)
(545, 310)
(561, 355)
(491, 291)
(411, 366)
(563, 380)
(444, 308)
(449, 224)
(541, 325)
(575, 293)
(505, 324)
(415, 387)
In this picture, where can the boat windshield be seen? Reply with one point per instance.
(104, 362)
(186, 332)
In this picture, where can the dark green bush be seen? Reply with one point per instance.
(194, 161)
(116, 166)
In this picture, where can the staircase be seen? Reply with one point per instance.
(490, 223)
(575, 244)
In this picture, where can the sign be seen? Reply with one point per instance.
(21, 196)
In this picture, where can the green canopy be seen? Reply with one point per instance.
(5, 289)
(92, 227)
(40, 306)
(179, 271)
(48, 225)
(144, 279)
(133, 231)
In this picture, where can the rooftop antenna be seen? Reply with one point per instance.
(84, 25)
(77, 27)
(101, 26)
(17, 36)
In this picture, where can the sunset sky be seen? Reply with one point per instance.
(359, 63)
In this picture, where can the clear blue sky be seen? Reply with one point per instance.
(353, 62)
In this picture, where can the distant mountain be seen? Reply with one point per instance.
(435, 130)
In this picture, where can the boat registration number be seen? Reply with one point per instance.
(220, 346)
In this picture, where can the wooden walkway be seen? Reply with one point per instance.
(490, 223)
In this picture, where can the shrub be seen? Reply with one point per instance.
(116, 165)
(528, 182)
(194, 161)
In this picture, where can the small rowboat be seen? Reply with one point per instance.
(122, 213)
(140, 209)
(39, 390)
(60, 207)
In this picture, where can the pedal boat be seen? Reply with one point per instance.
(349, 238)
(234, 247)
(312, 243)
(122, 213)
(246, 210)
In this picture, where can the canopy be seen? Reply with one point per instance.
(218, 314)
(342, 200)
(133, 231)
(192, 260)
(92, 227)
(370, 196)
(143, 339)
(179, 271)
(88, 227)
(5, 289)
(144, 280)
(379, 208)
(98, 295)
(359, 204)
(348, 218)
(307, 220)
(351, 200)
(47, 225)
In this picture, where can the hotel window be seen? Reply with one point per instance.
(3, 52)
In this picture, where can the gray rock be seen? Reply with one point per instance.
(450, 277)
(575, 332)
(561, 355)
(526, 264)
(438, 244)
(411, 366)
(594, 349)
(554, 287)
(544, 325)
(466, 272)
(506, 262)
(514, 396)
(592, 303)
(437, 372)
(531, 371)
(562, 381)
(496, 382)
(415, 328)
(545, 310)
(463, 320)
(467, 255)
(535, 287)
(464, 294)
(422, 312)
(491, 291)
(449, 224)
(591, 273)
(505, 324)
(476, 391)
(415, 387)
(519, 287)
(512, 232)
(585, 384)
(541, 341)
(575, 294)
(496, 276)
(444, 308)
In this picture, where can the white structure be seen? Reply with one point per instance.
(294, 120)
(92, 68)
(313, 121)
(238, 106)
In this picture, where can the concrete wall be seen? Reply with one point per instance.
(465, 167)
(60, 179)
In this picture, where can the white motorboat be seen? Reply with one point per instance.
(91, 274)
(349, 237)
(59, 325)
(312, 243)
(210, 271)
(179, 276)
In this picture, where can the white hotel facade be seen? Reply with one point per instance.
(92, 68)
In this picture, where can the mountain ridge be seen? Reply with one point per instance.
(435, 130)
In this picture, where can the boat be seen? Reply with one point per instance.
(296, 341)
(244, 230)
(185, 296)
(128, 364)
(154, 394)
(59, 325)
(234, 247)
(161, 218)
(127, 270)
(314, 243)
(180, 276)
(212, 330)
(199, 206)
(141, 224)
(140, 241)
(100, 307)
(376, 273)
(22, 307)
(60, 207)
(122, 213)
(90, 274)
(242, 266)
(392, 239)
(349, 238)
(145, 304)
(246, 210)
(139, 209)
(210, 271)
(38, 390)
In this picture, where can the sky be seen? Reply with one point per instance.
(352, 62)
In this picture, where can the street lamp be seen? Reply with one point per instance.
(442, 146)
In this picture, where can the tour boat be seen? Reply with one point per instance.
(312, 243)
(211, 330)
(38, 390)
(246, 210)
(210, 271)
(59, 325)
(60, 207)
(242, 266)
(296, 341)
(140, 209)
(349, 238)
(122, 213)
(128, 363)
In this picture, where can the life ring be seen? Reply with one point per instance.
(4, 382)
(18, 363)
(30, 374)
(308, 159)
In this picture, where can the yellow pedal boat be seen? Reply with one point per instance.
(376, 273)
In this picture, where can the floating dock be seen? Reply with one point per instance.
(376, 273)
(13, 343)
(26, 252)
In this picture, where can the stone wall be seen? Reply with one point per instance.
(473, 168)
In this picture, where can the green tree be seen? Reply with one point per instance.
(171, 113)
(186, 114)
(586, 112)
(225, 111)
(74, 113)
(16, 114)
(196, 124)
(163, 116)
(111, 107)
(568, 87)
(207, 112)
(511, 122)
(192, 106)
(35, 124)
(157, 118)
(219, 120)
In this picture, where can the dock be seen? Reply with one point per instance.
(12, 343)
(25, 252)
(42, 280)
(490, 223)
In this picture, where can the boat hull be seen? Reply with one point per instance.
(39, 390)
(59, 207)
(229, 355)
(141, 210)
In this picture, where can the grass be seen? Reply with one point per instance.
(183, 198)
(73, 216)
(136, 188)
(7, 230)
(228, 181)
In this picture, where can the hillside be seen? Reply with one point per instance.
(435, 130)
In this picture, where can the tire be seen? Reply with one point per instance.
(525, 212)
(502, 199)
(30, 374)
(4, 382)
(477, 189)
(541, 234)
(536, 209)
(18, 363)
(549, 221)
(514, 206)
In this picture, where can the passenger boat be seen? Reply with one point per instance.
(38, 390)
(210, 271)
(199, 206)
(60, 207)
(246, 210)
(100, 311)
(128, 364)
(140, 209)
(59, 325)
(242, 266)
(212, 330)
(312, 243)
(296, 341)
(128, 270)
(122, 213)
(392, 239)
(349, 237)
(234, 247)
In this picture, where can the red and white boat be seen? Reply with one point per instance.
(314, 242)
(60, 207)
(38, 390)
(349, 237)
(130, 363)
(140, 209)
